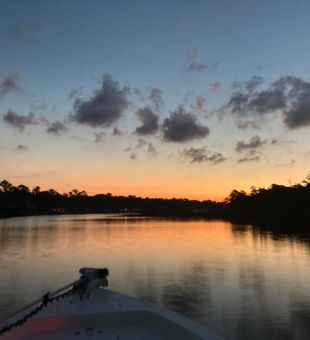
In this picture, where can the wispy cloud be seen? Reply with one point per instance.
(201, 155)
(9, 84)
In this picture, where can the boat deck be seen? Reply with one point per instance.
(106, 315)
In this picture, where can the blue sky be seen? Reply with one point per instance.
(185, 49)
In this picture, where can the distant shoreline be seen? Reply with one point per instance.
(277, 205)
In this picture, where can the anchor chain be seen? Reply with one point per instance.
(46, 299)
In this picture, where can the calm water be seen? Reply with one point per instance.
(239, 281)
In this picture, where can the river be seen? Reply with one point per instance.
(239, 280)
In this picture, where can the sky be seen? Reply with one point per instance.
(184, 98)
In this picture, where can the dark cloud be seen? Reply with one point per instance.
(216, 87)
(56, 128)
(20, 121)
(21, 147)
(193, 65)
(267, 101)
(105, 107)
(299, 113)
(238, 103)
(288, 95)
(254, 143)
(149, 122)
(253, 83)
(200, 155)
(182, 127)
(9, 84)
(156, 98)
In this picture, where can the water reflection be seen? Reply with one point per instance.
(242, 281)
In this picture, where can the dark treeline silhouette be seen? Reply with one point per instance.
(20, 201)
(278, 203)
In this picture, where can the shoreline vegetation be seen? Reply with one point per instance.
(275, 205)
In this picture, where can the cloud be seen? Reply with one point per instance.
(56, 128)
(248, 159)
(9, 84)
(104, 108)
(200, 155)
(201, 104)
(133, 156)
(254, 143)
(141, 144)
(299, 113)
(156, 98)
(23, 31)
(216, 87)
(151, 149)
(182, 127)
(193, 65)
(149, 122)
(288, 95)
(20, 121)
(21, 147)
(244, 124)
(99, 136)
(253, 83)
(117, 132)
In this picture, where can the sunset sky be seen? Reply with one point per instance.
(155, 98)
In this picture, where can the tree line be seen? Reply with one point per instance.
(278, 203)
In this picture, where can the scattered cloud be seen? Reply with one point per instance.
(254, 143)
(201, 104)
(140, 143)
(20, 121)
(21, 147)
(138, 93)
(56, 128)
(104, 108)
(149, 122)
(216, 87)
(182, 127)
(253, 83)
(156, 98)
(117, 132)
(133, 156)
(99, 136)
(288, 95)
(151, 149)
(244, 124)
(192, 63)
(9, 84)
(200, 155)
(248, 159)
